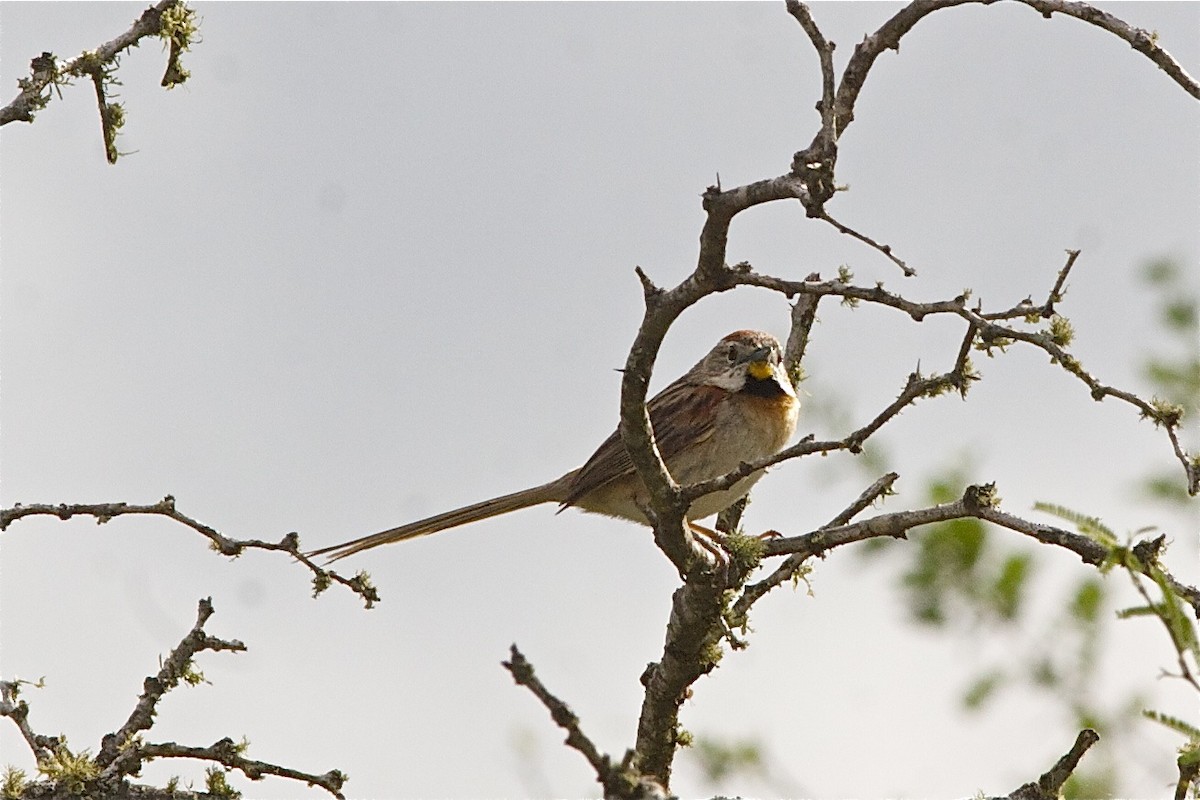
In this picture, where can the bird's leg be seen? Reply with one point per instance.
(712, 542)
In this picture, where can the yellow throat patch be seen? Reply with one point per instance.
(760, 370)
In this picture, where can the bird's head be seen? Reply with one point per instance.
(749, 361)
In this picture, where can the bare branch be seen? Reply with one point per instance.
(1089, 550)
(712, 274)
(915, 388)
(1059, 288)
(824, 49)
(883, 248)
(1049, 785)
(692, 649)
(1140, 40)
(18, 712)
(896, 525)
(228, 753)
(792, 564)
(866, 51)
(888, 36)
(360, 584)
(118, 753)
(993, 335)
(616, 781)
(804, 314)
(978, 502)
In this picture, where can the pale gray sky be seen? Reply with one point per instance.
(375, 261)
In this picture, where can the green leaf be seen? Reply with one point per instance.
(1180, 314)
(1180, 626)
(1139, 611)
(721, 759)
(1088, 599)
(1174, 723)
(982, 690)
(1008, 589)
(1161, 271)
(1091, 527)
(945, 566)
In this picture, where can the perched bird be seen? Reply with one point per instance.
(736, 405)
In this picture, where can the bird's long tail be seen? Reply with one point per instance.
(550, 492)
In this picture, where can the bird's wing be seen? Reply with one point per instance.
(682, 415)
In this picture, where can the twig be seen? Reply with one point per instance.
(991, 334)
(824, 48)
(978, 502)
(1140, 40)
(360, 584)
(791, 565)
(895, 524)
(1057, 292)
(1049, 785)
(18, 712)
(227, 753)
(804, 314)
(46, 71)
(883, 248)
(118, 752)
(1181, 648)
(608, 775)
(112, 117)
(916, 387)
(888, 36)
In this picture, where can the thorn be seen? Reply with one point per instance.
(649, 290)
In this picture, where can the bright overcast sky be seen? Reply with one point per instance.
(375, 261)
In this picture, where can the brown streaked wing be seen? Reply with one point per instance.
(692, 411)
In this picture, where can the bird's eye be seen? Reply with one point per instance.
(732, 354)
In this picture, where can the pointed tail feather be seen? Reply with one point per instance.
(550, 492)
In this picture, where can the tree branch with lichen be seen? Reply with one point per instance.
(123, 752)
(701, 616)
(171, 20)
(323, 577)
(618, 781)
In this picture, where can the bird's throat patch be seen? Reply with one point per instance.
(760, 370)
(766, 387)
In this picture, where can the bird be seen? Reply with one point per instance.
(736, 405)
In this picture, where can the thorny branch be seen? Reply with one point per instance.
(990, 334)
(617, 781)
(816, 164)
(888, 37)
(791, 565)
(700, 618)
(122, 753)
(977, 502)
(360, 584)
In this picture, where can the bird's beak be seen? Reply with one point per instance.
(761, 366)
